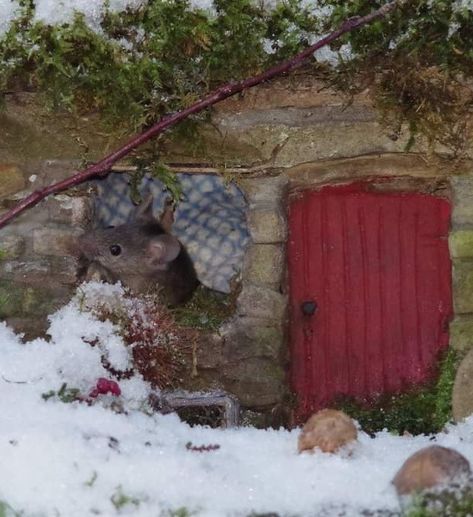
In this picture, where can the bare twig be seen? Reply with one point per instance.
(102, 167)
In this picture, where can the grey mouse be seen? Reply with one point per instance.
(142, 254)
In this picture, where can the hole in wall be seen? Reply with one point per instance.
(209, 220)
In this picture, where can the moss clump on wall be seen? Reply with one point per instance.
(162, 56)
(418, 64)
(206, 310)
(421, 411)
(148, 61)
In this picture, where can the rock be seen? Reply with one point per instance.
(461, 333)
(328, 430)
(463, 286)
(263, 264)
(267, 226)
(11, 179)
(260, 302)
(462, 396)
(429, 468)
(460, 243)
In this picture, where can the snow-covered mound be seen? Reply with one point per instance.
(89, 458)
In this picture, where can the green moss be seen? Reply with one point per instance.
(162, 56)
(423, 410)
(450, 502)
(7, 511)
(206, 310)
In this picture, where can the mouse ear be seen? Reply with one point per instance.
(162, 250)
(144, 211)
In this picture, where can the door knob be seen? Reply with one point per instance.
(309, 307)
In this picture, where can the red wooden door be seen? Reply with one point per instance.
(370, 291)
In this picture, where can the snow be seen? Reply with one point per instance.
(58, 12)
(79, 459)
(8, 11)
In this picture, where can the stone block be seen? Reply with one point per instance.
(11, 246)
(460, 243)
(263, 264)
(30, 328)
(463, 286)
(74, 211)
(462, 396)
(462, 189)
(256, 382)
(43, 271)
(209, 351)
(461, 333)
(267, 226)
(260, 302)
(54, 241)
(12, 180)
(246, 338)
(27, 301)
(265, 191)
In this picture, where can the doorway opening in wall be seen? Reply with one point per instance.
(209, 220)
(370, 291)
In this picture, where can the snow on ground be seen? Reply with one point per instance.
(75, 459)
(8, 12)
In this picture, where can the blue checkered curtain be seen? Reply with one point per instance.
(210, 220)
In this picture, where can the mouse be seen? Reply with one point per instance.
(142, 254)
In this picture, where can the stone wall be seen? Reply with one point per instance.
(38, 265)
(275, 139)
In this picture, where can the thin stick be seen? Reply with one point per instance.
(102, 167)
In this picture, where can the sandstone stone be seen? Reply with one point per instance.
(461, 333)
(462, 396)
(463, 286)
(461, 243)
(263, 264)
(267, 226)
(462, 188)
(265, 191)
(30, 328)
(54, 241)
(11, 246)
(26, 301)
(76, 211)
(246, 338)
(256, 382)
(260, 302)
(11, 179)
(209, 351)
(42, 271)
(283, 146)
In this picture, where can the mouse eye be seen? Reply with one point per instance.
(115, 250)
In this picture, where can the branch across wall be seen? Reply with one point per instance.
(105, 165)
